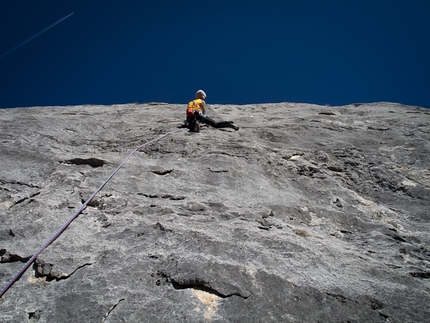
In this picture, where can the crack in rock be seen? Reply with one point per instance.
(161, 227)
(6, 256)
(378, 128)
(327, 113)
(218, 170)
(163, 196)
(30, 198)
(93, 162)
(111, 309)
(202, 286)
(2, 182)
(422, 274)
(160, 171)
(43, 269)
(34, 315)
(196, 283)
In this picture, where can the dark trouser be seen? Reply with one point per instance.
(205, 119)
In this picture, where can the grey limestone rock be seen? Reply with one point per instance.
(306, 214)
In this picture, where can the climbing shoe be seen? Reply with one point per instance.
(234, 127)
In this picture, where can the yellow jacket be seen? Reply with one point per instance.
(196, 105)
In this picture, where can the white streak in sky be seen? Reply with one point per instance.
(38, 34)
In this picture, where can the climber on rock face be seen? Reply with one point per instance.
(196, 112)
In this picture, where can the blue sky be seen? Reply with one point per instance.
(333, 52)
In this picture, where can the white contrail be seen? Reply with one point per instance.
(38, 34)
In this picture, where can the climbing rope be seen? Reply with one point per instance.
(75, 215)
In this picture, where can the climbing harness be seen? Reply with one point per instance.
(75, 215)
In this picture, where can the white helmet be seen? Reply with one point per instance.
(200, 94)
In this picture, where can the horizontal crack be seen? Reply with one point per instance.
(214, 170)
(163, 196)
(199, 284)
(2, 181)
(43, 269)
(27, 198)
(162, 172)
(93, 162)
(420, 274)
(204, 289)
(6, 256)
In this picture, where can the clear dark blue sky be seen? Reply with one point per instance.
(315, 51)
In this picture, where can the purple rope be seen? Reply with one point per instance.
(75, 215)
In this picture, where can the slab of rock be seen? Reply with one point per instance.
(306, 214)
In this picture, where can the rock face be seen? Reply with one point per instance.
(306, 214)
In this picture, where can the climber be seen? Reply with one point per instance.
(196, 112)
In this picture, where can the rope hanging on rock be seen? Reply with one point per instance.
(75, 215)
